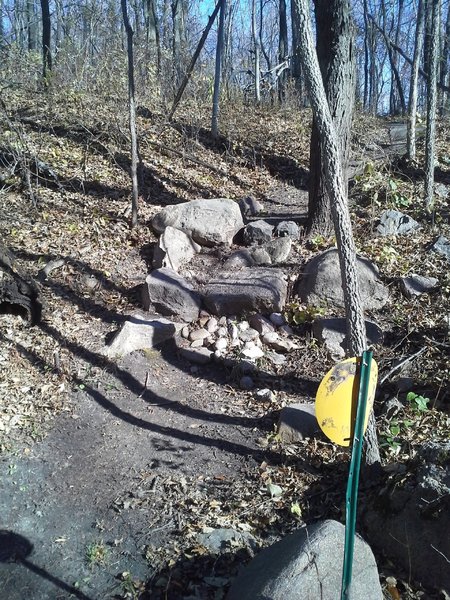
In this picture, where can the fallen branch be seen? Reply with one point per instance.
(399, 366)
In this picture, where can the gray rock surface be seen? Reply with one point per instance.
(333, 331)
(409, 519)
(416, 285)
(250, 290)
(208, 222)
(261, 324)
(198, 356)
(250, 207)
(307, 565)
(139, 332)
(257, 232)
(288, 228)
(297, 422)
(278, 249)
(174, 249)
(238, 260)
(224, 540)
(168, 293)
(393, 222)
(321, 282)
(442, 246)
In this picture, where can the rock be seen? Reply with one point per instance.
(297, 422)
(185, 332)
(393, 222)
(286, 329)
(218, 541)
(212, 325)
(170, 294)
(392, 407)
(139, 332)
(197, 343)
(270, 337)
(208, 222)
(174, 248)
(198, 356)
(283, 345)
(250, 290)
(321, 282)
(288, 228)
(238, 260)
(277, 319)
(198, 334)
(442, 246)
(221, 344)
(223, 331)
(307, 565)
(243, 325)
(247, 335)
(261, 324)
(333, 332)
(246, 383)
(278, 249)
(260, 256)
(257, 232)
(441, 190)
(416, 285)
(253, 352)
(275, 358)
(250, 207)
(265, 395)
(409, 519)
(404, 384)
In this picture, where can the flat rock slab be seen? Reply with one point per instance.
(307, 565)
(333, 332)
(416, 285)
(174, 249)
(139, 332)
(222, 540)
(208, 222)
(169, 294)
(321, 282)
(256, 289)
(393, 222)
(297, 422)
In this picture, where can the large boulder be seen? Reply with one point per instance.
(321, 282)
(169, 294)
(409, 519)
(250, 290)
(174, 248)
(208, 222)
(307, 565)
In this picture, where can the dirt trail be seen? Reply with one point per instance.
(68, 495)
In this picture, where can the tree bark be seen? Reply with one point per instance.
(282, 49)
(432, 103)
(257, 52)
(152, 32)
(296, 69)
(335, 52)
(444, 62)
(46, 39)
(336, 187)
(132, 115)
(413, 87)
(178, 37)
(218, 71)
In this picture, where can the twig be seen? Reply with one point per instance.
(401, 364)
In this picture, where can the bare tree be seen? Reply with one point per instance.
(46, 39)
(336, 187)
(282, 48)
(132, 115)
(444, 61)
(435, 19)
(218, 70)
(257, 53)
(413, 87)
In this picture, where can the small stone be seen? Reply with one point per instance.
(261, 324)
(297, 422)
(233, 331)
(265, 395)
(270, 338)
(222, 332)
(253, 352)
(257, 232)
(393, 222)
(416, 285)
(261, 256)
(212, 325)
(197, 343)
(203, 319)
(199, 356)
(283, 346)
(275, 358)
(248, 335)
(250, 207)
(198, 334)
(222, 321)
(277, 319)
(288, 228)
(218, 354)
(185, 332)
(238, 260)
(221, 344)
(286, 329)
(392, 407)
(243, 325)
(246, 383)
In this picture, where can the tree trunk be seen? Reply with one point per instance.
(431, 104)
(336, 187)
(296, 62)
(335, 52)
(282, 49)
(178, 37)
(218, 71)
(413, 87)
(132, 116)
(444, 62)
(256, 50)
(46, 39)
(152, 32)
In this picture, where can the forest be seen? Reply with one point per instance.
(206, 206)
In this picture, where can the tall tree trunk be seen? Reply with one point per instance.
(132, 115)
(256, 50)
(46, 39)
(366, 56)
(296, 69)
(335, 52)
(336, 187)
(282, 49)
(218, 71)
(431, 103)
(413, 87)
(31, 25)
(444, 62)
(152, 37)
(178, 39)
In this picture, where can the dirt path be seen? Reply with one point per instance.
(80, 508)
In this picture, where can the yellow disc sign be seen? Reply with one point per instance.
(337, 398)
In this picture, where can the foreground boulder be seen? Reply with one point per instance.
(250, 290)
(307, 565)
(208, 222)
(174, 249)
(169, 294)
(139, 332)
(321, 282)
